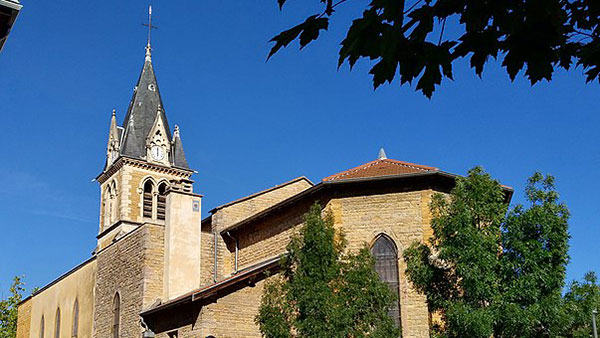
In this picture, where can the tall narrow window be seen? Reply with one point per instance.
(161, 204)
(147, 199)
(113, 202)
(386, 265)
(116, 315)
(57, 324)
(42, 327)
(107, 206)
(75, 328)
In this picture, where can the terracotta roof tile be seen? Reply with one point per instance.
(381, 167)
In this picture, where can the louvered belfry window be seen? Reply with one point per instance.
(386, 265)
(147, 199)
(161, 201)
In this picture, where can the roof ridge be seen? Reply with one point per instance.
(412, 165)
(370, 164)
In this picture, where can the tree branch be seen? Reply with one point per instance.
(330, 8)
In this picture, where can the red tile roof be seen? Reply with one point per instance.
(381, 167)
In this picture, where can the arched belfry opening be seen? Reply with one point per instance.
(161, 201)
(148, 199)
(386, 264)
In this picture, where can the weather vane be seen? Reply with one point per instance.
(149, 24)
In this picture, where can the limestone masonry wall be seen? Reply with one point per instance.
(133, 267)
(206, 255)
(403, 216)
(24, 319)
(230, 316)
(230, 215)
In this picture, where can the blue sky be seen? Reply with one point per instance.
(248, 124)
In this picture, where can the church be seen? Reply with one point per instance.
(160, 270)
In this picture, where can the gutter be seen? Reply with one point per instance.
(327, 184)
(212, 289)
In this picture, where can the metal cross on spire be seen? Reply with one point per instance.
(150, 27)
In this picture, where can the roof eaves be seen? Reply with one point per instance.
(326, 184)
(285, 202)
(209, 290)
(58, 279)
(245, 198)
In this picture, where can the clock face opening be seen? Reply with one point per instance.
(157, 153)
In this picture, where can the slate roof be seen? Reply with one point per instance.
(178, 155)
(140, 118)
(381, 167)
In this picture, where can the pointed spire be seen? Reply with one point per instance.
(382, 155)
(144, 106)
(114, 140)
(113, 134)
(179, 159)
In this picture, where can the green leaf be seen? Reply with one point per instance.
(312, 27)
(308, 31)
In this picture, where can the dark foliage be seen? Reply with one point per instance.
(408, 37)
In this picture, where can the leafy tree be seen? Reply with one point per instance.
(422, 39)
(9, 310)
(490, 272)
(579, 302)
(323, 291)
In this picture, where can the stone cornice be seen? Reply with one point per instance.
(123, 160)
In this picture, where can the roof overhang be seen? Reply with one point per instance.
(246, 277)
(438, 180)
(9, 10)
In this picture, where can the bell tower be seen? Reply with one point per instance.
(144, 160)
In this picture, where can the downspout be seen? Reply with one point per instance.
(237, 249)
(216, 244)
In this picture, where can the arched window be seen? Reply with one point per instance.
(57, 324)
(107, 205)
(386, 265)
(113, 202)
(116, 315)
(147, 199)
(161, 204)
(75, 328)
(42, 327)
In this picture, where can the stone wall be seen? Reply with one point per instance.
(231, 214)
(129, 180)
(228, 317)
(133, 267)
(206, 254)
(403, 216)
(400, 216)
(269, 237)
(24, 319)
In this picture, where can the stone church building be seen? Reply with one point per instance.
(160, 269)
